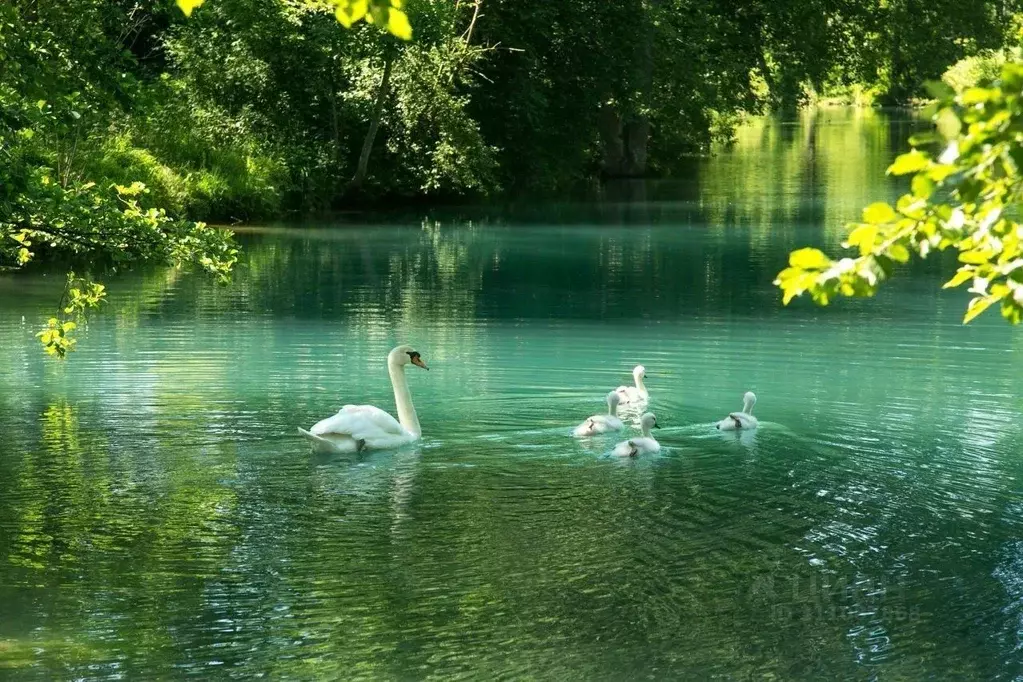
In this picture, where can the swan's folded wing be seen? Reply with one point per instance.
(359, 422)
(745, 419)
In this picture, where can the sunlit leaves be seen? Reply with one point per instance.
(878, 213)
(398, 24)
(898, 253)
(977, 306)
(862, 237)
(910, 162)
(348, 13)
(80, 295)
(387, 14)
(56, 337)
(948, 123)
(966, 199)
(187, 6)
(103, 226)
(962, 276)
(809, 259)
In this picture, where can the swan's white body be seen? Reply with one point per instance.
(602, 423)
(633, 395)
(640, 446)
(365, 427)
(738, 421)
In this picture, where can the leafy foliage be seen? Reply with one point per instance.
(385, 13)
(79, 296)
(61, 80)
(967, 198)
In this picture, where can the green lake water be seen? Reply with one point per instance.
(159, 516)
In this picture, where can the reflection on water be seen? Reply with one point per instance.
(158, 516)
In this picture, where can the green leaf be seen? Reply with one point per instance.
(898, 253)
(878, 213)
(187, 6)
(809, 259)
(948, 123)
(977, 306)
(922, 186)
(962, 275)
(977, 95)
(1012, 311)
(398, 24)
(925, 138)
(350, 11)
(939, 89)
(862, 237)
(910, 162)
(976, 256)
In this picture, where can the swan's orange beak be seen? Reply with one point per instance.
(418, 362)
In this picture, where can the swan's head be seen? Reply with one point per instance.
(649, 421)
(406, 355)
(613, 399)
(749, 399)
(639, 372)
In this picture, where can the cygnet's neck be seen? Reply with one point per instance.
(639, 383)
(747, 406)
(612, 408)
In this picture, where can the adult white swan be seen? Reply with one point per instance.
(631, 395)
(602, 423)
(640, 446)
(358, 427)
(738, 421)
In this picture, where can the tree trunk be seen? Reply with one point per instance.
(625, 137)
(378, 111)
(611, 138)
(637, 135)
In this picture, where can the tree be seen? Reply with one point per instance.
(964, 197)
(59, 85)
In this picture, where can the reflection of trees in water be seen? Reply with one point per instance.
(113, 541)
(469, 271)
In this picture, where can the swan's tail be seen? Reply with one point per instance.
(318, 443)
(328, 446)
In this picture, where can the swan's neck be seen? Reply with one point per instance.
(612, 409)
(748, 407)
(403, 400)
(639, 384)
(647, 431)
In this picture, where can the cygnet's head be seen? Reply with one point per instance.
(406, 355)
(750, 398)
(613, 399)
(639, 372)
(649, 421)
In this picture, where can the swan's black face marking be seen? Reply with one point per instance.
(416, 360)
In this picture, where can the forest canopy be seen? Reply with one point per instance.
(125, 124)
